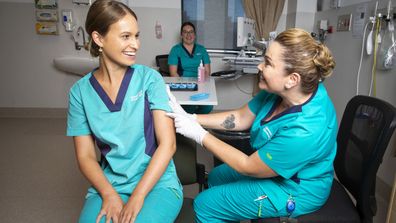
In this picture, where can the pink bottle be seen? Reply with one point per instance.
(201, 72)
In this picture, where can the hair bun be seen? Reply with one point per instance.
(324, 61)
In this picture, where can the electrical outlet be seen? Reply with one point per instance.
(344, 22)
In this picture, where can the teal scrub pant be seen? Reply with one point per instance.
(160, 205)
(233, 197)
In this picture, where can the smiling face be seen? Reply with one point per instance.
(188, 35)
(120, 44)
(273, 76)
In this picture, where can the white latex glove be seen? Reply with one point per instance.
(176, 108)
(188, 127)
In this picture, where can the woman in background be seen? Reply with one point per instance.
(293, 127)
(121, 106)
(184, 60)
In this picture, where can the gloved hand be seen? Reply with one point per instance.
(176, 108)
(188, 127)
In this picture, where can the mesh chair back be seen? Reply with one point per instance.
(162, 64)
(364, 133)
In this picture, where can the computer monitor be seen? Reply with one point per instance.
(245, 32)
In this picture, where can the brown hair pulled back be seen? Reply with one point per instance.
(186, 24)
(304, 55)
(101, 15)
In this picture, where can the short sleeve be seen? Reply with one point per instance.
(172, 58)
(289, 150)
(77, 123)
(205, 57)
(255, 104)
(156, 93)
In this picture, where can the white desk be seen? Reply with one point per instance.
(183, 97)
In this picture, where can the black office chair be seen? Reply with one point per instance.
(189, 172)
(365, 130)
(162, 64)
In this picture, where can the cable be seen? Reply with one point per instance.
(361, 58)
(245, 92)
(373, 71)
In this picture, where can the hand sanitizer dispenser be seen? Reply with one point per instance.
(67, 18)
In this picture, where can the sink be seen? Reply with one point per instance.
(76, 65)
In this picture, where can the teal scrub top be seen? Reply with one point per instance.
(124, 130)
(187, 64)
(299, 144)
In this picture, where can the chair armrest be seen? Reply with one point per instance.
(202, 176)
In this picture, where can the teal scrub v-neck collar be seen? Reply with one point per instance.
(113, 107)
(291, 110)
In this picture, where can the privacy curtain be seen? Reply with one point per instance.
(266, 13)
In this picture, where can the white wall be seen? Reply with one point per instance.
(148, 13)
(300, 14)
(28, 78)
(342, 85)
(174, 4)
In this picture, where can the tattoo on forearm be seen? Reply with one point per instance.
(229, 122)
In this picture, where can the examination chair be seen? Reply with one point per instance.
(162, 64)
(189, 172)
(365, 130)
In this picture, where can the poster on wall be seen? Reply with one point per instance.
(359, 17)
(47, 15)
(46, 4)
(47, 28)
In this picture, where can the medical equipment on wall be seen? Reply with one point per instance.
(369, 42)
(245, 62)
(381, 43)
(158, 30)
(323, 30)
(68, 20)
(387, 48)
(79, 44)
(245, 31)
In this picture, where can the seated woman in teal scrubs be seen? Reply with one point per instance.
(121, 106)
(184, 60)
(293, 127)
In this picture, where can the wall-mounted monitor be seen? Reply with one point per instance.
(246, 33)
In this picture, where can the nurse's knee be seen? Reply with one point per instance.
(218, 175)
(203, 205)
(199, 208)
(198, 201)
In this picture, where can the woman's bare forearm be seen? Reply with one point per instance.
(89, 166)
(235, 120)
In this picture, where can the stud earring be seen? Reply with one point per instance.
(100, 49)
